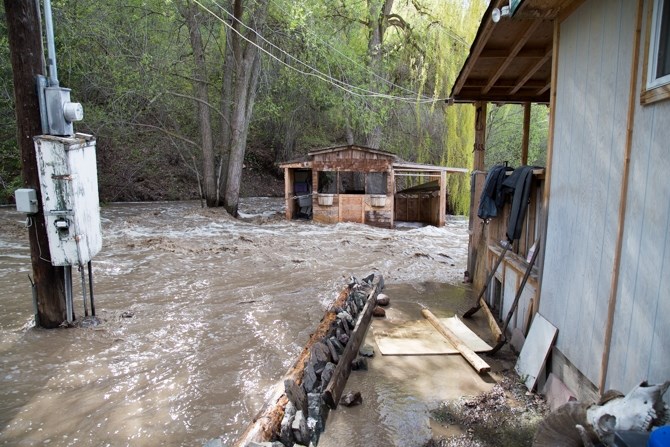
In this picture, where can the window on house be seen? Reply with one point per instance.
(658, 70)
(375, 183)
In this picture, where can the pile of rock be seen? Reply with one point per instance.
(327, 368)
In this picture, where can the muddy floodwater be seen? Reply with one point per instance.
(201, 314)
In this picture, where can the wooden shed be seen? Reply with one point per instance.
(603, 278)
(359, 184)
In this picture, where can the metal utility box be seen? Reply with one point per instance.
(26, 200)
(69, 184)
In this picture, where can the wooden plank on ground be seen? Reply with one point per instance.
(473, 359)
(491, 320)
(331, 395)
(419, 337)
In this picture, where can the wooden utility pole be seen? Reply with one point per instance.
(26, 54)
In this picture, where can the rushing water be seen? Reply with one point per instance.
(201, 315)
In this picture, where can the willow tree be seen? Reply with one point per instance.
(451, 42)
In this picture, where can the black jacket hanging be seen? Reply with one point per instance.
(493, 196)
(520, 182)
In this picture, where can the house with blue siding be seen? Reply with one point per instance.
(601, 207)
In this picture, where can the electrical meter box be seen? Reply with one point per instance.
(69, 183)
(26, 200)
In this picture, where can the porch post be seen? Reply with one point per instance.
(477, 249)
(526, 133)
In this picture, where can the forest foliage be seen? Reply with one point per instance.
(182, 95)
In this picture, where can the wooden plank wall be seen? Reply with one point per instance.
(641, 339)
(353, 207)
(595, 51)
(418, 208)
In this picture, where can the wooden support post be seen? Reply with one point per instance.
(443, 199)
(480, 136)
(526, 133)
(25, 47)
(475, 247)
(332, 393)
(468, 354)
(288, 192)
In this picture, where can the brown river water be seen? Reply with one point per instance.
(201, 314)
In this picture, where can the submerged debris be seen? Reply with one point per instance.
(351, 399)
(505, 416)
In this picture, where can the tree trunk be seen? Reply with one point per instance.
(201, 92)
(25, 45)
(229, 65)
(245, 94)
(246, 79)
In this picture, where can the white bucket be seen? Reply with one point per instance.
(378, 200)
(326, 199)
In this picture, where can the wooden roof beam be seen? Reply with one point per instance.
(529, 74)
(544, 89)
(500, 53)
(504, 84)
(513, 52)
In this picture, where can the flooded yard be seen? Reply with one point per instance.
(201, 314)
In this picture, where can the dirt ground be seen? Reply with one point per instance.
(507, 415)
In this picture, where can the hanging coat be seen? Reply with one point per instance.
(520, 183)
(493, 196)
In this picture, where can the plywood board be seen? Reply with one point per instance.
(421, 338)
(535, 350)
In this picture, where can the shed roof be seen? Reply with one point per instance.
(398, 164)
(510, 61)
(351, 146)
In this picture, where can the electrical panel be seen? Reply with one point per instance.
(61, 113)
(69, 184)
(26, 200)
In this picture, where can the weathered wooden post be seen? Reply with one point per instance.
(26, 54)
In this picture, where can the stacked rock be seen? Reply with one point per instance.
(306, 412)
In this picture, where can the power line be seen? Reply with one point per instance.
(351, 89)
(366, 69)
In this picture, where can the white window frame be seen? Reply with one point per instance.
(657, 17)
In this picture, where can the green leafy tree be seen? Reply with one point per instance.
(505, 132)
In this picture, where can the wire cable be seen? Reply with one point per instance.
(351, 89)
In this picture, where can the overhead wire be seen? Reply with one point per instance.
(349, 88)
(358, 64)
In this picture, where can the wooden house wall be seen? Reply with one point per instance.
(594, 61)
(641, 331)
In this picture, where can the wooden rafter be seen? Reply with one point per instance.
(531, 71)
(512, 54)
(495, 53)
(544, 89)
